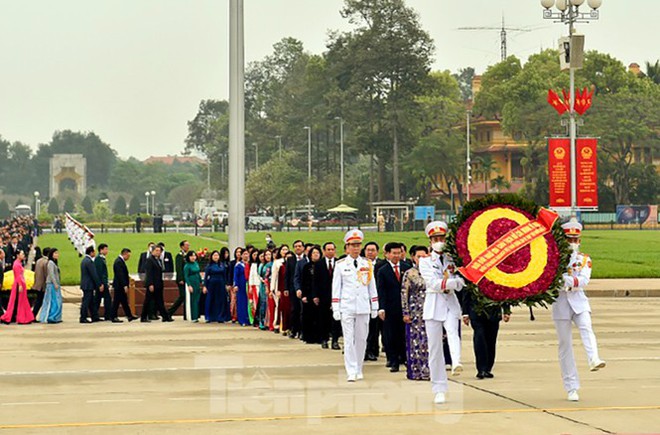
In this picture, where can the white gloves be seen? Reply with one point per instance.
(568, 282)
(336, 315)
(374, 314)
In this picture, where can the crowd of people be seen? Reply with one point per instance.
(407, 305)
(15, 248)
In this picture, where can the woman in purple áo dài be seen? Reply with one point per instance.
(413, 290)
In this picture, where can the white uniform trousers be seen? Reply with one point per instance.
(436, 353)
(355, 328)
(453, 339)
(569, 371)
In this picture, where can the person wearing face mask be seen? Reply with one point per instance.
(441, 308)
(572, 305)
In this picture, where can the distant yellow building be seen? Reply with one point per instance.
(490, 144)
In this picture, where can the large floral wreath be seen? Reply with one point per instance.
(531, 275)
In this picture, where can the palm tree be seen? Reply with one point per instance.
(499, 183)
(653, 71)
(486, 167)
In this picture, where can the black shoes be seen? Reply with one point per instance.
(389, 364)
(85, 321)
(169, 319)
(481, 375)
(116, 320)
(335, 345)
(489, 375)
(371, 357)
(324, 345)
(130, 319)
(145, 321)
(394, 368)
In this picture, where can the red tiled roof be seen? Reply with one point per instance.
(169, 160)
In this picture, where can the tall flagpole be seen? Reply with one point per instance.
(236, 126)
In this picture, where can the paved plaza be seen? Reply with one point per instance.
(183, 378)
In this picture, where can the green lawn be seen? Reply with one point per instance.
(615, 254)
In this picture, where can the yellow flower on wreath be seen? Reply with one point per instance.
(9, 279)
(478, 242)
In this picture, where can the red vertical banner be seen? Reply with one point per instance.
(559, 171)
(587, 172)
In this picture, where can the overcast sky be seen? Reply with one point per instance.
(134, 71)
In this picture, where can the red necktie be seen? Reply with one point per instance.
(396, 272)
(330, 268)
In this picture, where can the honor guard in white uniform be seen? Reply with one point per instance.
(354, 299)
(441, 308)
(572, 305)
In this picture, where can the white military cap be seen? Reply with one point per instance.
(436, 228)
(572, 228)
(353, 236)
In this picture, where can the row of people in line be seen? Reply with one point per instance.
(48, 304)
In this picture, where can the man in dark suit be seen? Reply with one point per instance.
(138, 223)
(179, 261)
(323, 272)
(388, 283)
(40, 273)
(486, 326)
(142, 262)
(13, 248)
(89, 283)
(154, 285)
(166, 256)
(120, 283)
(144, 256)
(370, 252)
(290, 286)
(103, 292)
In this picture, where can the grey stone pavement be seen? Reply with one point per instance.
(183, 378)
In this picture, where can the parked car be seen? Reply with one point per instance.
(168, 218)
(260, 222)
(333, 218)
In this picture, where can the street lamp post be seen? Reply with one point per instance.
(309, 155)
(256, 156)
(468, 167)
(569, 13)
(279, 140)
(236, 166)
(341, 157)
(309, 165)
(146, 194)
(153, 202)
(37, 203)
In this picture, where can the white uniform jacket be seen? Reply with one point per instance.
(354, 288)
(439, 273)
(572, 299)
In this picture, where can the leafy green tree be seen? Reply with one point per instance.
(624, 120)
(86, 205)
(653, 71)
(379, 69)
(277, 183)
(101, 211)
(183, 197)
(134, 206)
(120, 206)
(18, 170)
(5, 212)
(464, 78)
(68, 206)
(438, 159)
(645, 184)
(53, 206)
